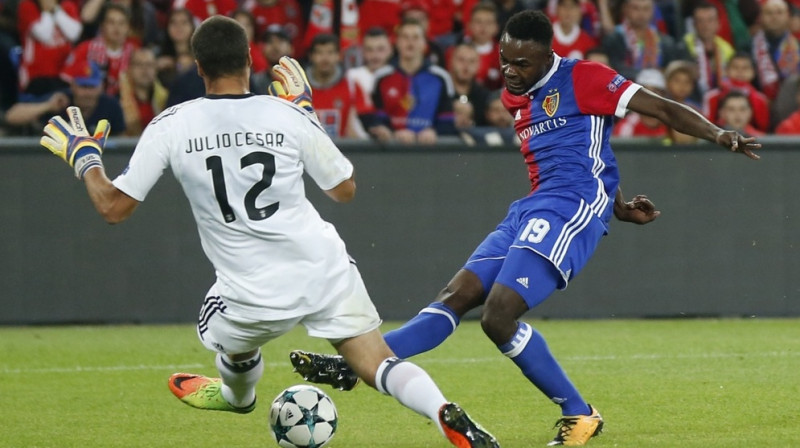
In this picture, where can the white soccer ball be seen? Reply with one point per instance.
(303, 416)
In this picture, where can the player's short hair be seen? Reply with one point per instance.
(220, 47)
(324, 39)
(532, 25)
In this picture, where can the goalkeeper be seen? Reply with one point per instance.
(257, 228)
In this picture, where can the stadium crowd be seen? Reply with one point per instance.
(399, 70)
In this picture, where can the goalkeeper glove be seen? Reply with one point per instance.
(72, 142)
(292, 84)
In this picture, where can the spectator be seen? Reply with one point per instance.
(735, 19)
(597, 54)
(710, 51)
(274, 44)
(419, 11)
(85, 91)
(203, 9)
(384, 14)
(590, 16)
(739, 75)
(463, 114)
(499, 129)
(443, 15)
(505, 9)
(377, 50)
(142, 96)
(412, 98)
(482, 33)
(47, 30)
(636, 43)
(735, 114)
(681, 77)
(175, 57)
(284, 13)
(336, 99)
(791, 125)
(144, 29)
(775, 50)
(469, 94)
(10, 54)
(248, 22)
(784, 104)
(637, 125)
(569, 40)
(110, 50)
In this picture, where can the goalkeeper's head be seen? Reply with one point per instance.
(221, 48)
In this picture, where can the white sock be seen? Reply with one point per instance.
(239, 379)
(411, 386)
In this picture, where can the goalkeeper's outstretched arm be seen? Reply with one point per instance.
(110, 202)
(83, 152)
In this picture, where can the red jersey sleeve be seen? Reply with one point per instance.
(27, 14)
(600, 90)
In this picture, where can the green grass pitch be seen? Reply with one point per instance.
(658, 383)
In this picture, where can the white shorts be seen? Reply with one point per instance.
(221, 330)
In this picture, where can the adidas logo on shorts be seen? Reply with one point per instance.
(523, 281)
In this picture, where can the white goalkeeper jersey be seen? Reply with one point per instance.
(240, 160)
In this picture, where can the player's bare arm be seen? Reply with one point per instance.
(344, 192)
(111, 203)
(639, 210)
(688, 121)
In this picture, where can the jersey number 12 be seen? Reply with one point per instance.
(267, 160)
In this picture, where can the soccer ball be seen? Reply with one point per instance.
(303, 416)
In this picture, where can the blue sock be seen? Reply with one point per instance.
(529, 352)
(425, 331)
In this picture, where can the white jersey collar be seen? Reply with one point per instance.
(543, 81)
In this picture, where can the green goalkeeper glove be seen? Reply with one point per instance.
(292, 84)
(72, 142)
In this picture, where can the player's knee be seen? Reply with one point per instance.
(463, 293)
(503, 308)
(497, 323)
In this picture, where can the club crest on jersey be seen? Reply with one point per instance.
(550, 104)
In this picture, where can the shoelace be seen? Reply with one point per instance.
(566, 424)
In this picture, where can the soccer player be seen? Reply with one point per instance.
(563, 112)
(240, 159)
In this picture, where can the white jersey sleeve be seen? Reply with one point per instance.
(149, 160)
(322, 159)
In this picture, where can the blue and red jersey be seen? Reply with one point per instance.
(414, 101)
(564, 123)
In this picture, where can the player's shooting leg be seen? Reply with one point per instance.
(436, 322)
(373, 361)
(509, 299)
(364, 354)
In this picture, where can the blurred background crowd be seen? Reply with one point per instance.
(409, 71)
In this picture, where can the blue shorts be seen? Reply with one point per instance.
(543, 242)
